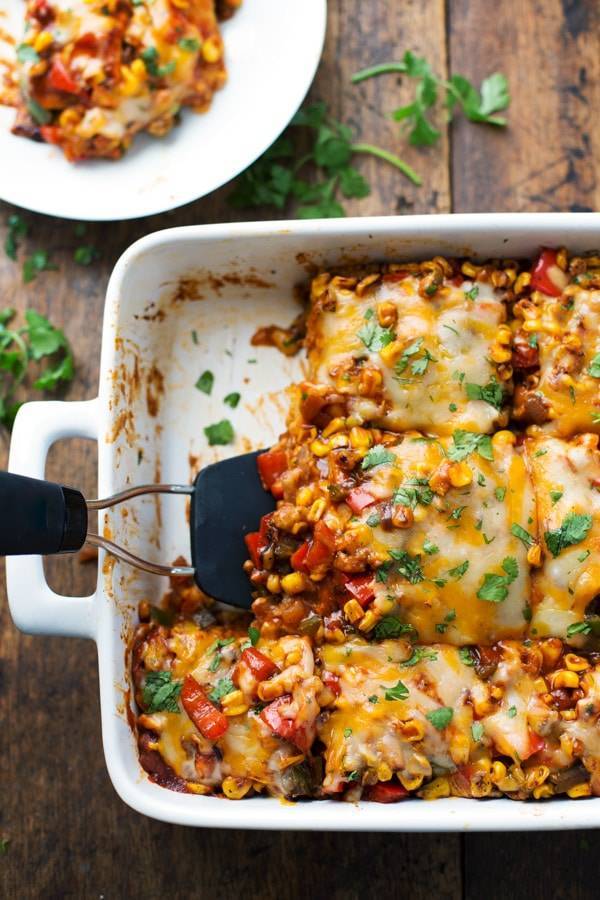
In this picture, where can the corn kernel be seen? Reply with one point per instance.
(540, 686)
(232, 698)
(410, 782)
(235, 788)
(353, 611)
(575, 663)
(504, 335)
(195, 788)
(569, 715)
(562, 259)
(503, 439)
(42, 41)
(318, 448)
(536, 776)
(551, 651)
(317, 510)
(498, 772)
(391, 353)
(497, 691)
(369, 382)
(469, 269)
(360, 534)
(384, 773)
(564, 679)
(534, 555)
(366, 282)
(500, 354)
(481, 786)
(387, 314)
(338, 440)
(460, 748)
(360, 438)
(412, 730)
(460, 474)
(304, 496)
(293, 583)
(273, 583)
(523, 281)
(369, 621)
(212, 50)
(543, 792)
(436, 789)
(337, 424)
(580, 790)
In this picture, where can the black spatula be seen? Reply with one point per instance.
(228, 501)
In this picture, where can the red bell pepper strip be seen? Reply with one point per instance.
(386, 792)
(256, 541)
(547, 277)
(360, 586)
(298, 558)
(325, 535)
(271, 466)
(358, 498)
(60, 79)
(210, 722)
(284, 728)
(260, 665)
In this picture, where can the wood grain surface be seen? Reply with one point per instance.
(67, 833)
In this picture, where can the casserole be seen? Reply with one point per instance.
(221, 282)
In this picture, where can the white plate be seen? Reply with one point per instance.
(243, 274)
(272, 52)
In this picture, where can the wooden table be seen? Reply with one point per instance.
(69, 834)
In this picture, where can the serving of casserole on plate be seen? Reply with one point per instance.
(424, 621)
(108, 92)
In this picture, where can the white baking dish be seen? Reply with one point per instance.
(215, 284)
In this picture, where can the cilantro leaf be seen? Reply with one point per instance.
(224, 686)
(418, 655)
(377, 456)
(253, 635)
(492, 393)
(85, 255)
(391, 627)
(398, 692)
(160, 693)
(522, 535)
(39, 261)
(17, 228)
(220, 433)
(500, 493)
(467, 442)
(495, 587)
(232, 399)
(440, 718)
(458, 571)
(373, 336)
(477, 731)
(205, 382)
(430, 548)
(594, 367)
(480, 107)
(408, 566)
(578, 628)
(574, 529)
(466, 657)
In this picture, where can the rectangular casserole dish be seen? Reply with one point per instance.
(180, 302)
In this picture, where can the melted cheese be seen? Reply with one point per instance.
(567, 583)
(471, 527)
(456, 331)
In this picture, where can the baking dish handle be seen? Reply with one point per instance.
(34, 606)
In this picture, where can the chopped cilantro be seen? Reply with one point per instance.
(373, 336)
(573, 530)
(160, 693)
(347, 732)
(219, 433)
(253, 635)
(555, 496)
(495, 587)
(492, 393)
(452, 407)
(466, 657)
(512, 711)
(418, 654)
(17, 228)
(374, 520)
(477, 731)
(232, 400)
(398, 692)
(408, 566)
(473, 294)
(86, 254)
(224, 686)
(377, 456)
(594, 368)
(391, 627)
(430, 548)
(521, 534)
(579, 628)
(466, 442)
(440, 718)
(189, 44)
(458, 571)
(205, 382)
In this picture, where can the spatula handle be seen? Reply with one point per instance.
(40, 517)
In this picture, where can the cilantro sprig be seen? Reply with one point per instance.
(36, 341)
(160, 693)
(495, 587)
(476, 105)
(574, 529)
(314, 181)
